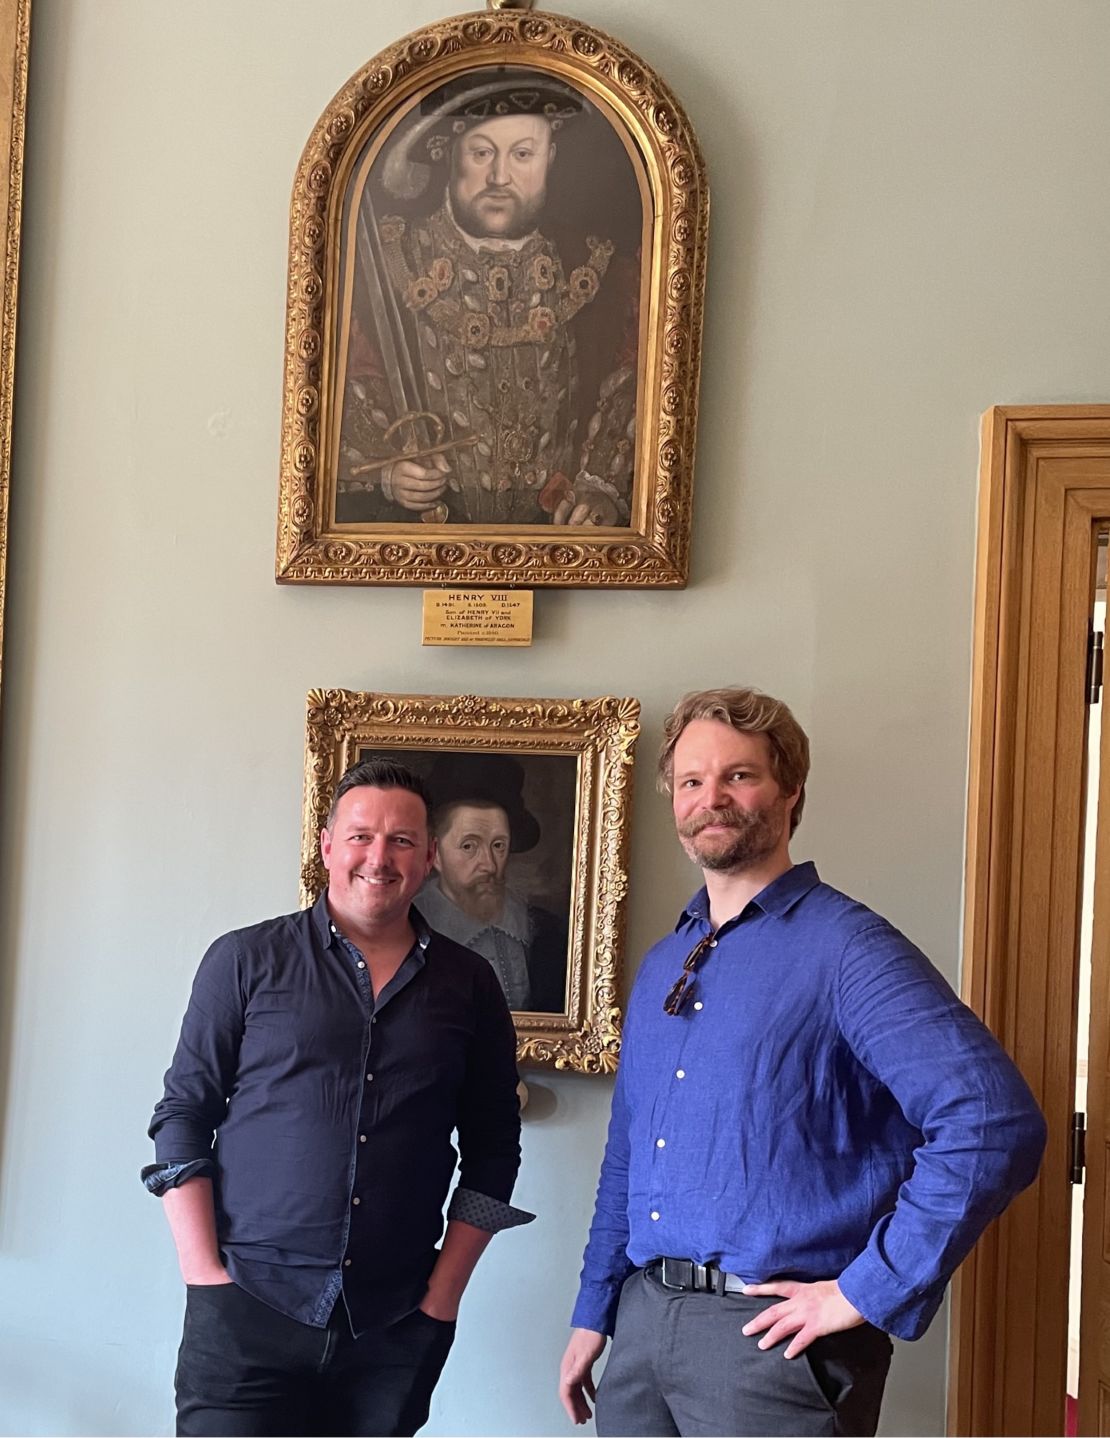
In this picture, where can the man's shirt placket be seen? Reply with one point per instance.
(357, 1172)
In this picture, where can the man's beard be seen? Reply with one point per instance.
(520, 221)
(749, 838)
(482, 898)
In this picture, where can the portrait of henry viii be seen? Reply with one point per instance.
(489, 325)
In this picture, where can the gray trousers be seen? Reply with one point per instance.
(679, 1364)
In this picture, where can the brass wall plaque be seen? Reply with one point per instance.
(478, 616)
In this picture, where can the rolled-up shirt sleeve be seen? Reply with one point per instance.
(202, 1073)
(479, 1210)
(158, 1177)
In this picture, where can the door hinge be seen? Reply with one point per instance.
(1078, 1147)
(1094, 666)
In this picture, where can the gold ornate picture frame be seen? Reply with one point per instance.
(15, 30)
(496, 281)
(553, 778)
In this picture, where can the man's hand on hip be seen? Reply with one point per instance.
(576, 1373)
(809, 1311)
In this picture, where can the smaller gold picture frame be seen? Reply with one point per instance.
(557, 773)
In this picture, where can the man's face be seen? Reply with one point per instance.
(499, 176)
(377, 854)
(729, 811)
(471, 857)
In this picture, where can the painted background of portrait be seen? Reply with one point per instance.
(420, 312)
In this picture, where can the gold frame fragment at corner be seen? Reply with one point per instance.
(15, 31)
(600, 734)
(651, 549)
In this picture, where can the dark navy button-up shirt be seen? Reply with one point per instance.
(333, 1113)
(823, 1107)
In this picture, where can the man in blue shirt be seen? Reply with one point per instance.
(809, 1130)
(332, 1053)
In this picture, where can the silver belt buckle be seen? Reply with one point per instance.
(676, 1274)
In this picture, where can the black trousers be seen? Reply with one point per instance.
(679, 1364)
(245, 1369)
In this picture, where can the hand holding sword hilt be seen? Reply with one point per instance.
(409, 447)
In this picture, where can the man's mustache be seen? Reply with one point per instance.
(723, 818)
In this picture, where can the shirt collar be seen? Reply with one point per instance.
(328, 933)
(777, 899)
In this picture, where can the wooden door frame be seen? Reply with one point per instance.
(1039, 498)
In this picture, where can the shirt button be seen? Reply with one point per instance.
(680, 1073)
(654, 1219)
(698, 1005)
(373, 1021)
(660, 1143)
(356, 1201)
(369, 1078)
(361, 964)
(712, 943)
(362, 1138)
(346, 1263)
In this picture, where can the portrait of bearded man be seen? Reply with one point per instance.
(480, 819)
(491, 325)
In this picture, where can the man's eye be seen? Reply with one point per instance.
(404, 843)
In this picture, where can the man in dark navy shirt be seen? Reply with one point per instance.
(809, 1130)
(332, 1053)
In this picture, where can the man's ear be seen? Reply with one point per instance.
(325, 848)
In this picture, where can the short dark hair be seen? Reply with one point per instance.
(378, 772)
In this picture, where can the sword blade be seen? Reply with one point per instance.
(392, 339)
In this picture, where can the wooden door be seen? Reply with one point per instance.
(1094, 1319)
(1044, 492)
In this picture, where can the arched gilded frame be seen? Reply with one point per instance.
(496, 283)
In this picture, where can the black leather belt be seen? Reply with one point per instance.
(685, 1276)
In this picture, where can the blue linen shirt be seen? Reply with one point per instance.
(823, 1107)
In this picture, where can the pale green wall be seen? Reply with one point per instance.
(911, 221)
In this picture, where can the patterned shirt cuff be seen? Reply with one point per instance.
(482, 1211)
(158, 1177)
